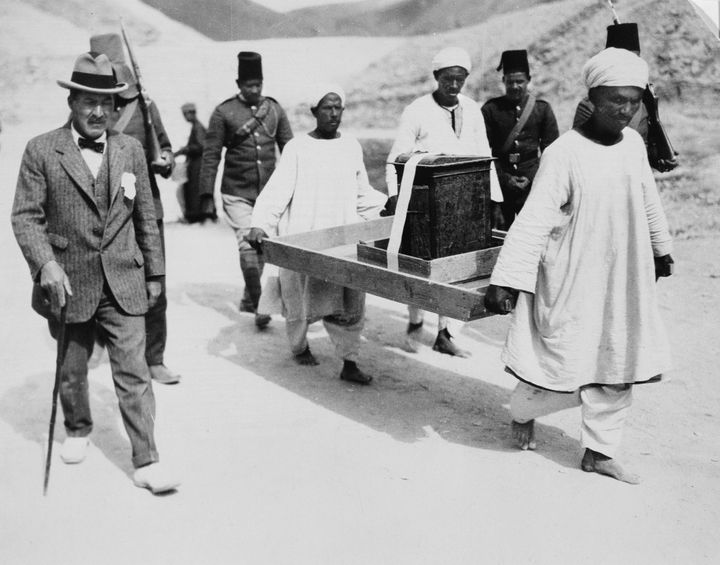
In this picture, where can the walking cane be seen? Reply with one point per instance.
(56, 389)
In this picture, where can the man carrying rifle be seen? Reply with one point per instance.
(131, 119)
(661, 155)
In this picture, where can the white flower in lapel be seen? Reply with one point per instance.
(127, 182)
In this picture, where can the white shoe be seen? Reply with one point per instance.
(155, 478)
(74, 449)
(161, 374)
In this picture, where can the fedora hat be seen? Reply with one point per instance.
(93, 72)
(110, 44)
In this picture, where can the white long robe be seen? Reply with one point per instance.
(582, 252)
(318, 183)
(426, 127)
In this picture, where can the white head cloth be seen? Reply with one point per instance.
(452, 57)
(320, 91)
(615, 67)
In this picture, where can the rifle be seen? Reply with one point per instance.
(153, 146)
(616, 20)
(661, 154)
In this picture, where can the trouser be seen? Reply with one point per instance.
(513, 201)
(239, 215)
(604, 409)
(156, 319)
(415, 316)
(344, 332)
(124, 336)
(510, 209)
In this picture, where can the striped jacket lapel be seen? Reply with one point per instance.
(116, 162)
(73, 163)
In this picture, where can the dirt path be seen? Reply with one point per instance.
(289, 465)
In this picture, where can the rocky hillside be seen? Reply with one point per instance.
(404, 17)
(227, 20)
(560, 36)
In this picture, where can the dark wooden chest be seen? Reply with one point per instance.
(449, 210)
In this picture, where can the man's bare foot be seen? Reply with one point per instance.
(524, 435)
(413, 337)
(351, 372)
(594, 462)
(306, 358)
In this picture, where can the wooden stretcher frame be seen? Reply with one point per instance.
(452, 286)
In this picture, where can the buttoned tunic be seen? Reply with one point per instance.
(249, 159)
(540, 130)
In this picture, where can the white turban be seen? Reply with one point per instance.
(320, 91)
(615, 67)
(452, 57)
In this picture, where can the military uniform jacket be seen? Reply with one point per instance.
(249, 159)
(540, 130)
(60, 214)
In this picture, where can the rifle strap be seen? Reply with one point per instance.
(126, 116)
(519, 125)
(245, 130)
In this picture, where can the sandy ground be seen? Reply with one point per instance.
(283, 464)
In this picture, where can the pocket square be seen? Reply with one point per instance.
(128, 184)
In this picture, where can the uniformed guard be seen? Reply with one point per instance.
(249, 126)
(646, 121)
(519, 127)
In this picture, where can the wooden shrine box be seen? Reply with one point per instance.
(449, 211)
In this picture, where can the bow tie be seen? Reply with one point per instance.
(97, 146)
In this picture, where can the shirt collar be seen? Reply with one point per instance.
(76, 135)
(448, 108)
(242, 99)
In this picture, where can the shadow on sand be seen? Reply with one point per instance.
(407, 399)
(27, 409)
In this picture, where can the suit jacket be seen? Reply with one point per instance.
(56, 216)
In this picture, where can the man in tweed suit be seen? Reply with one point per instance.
(83, 216)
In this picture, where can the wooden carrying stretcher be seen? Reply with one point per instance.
(441, 252)
(349, 255)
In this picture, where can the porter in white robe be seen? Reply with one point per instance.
(318, 183)
(581, 252)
